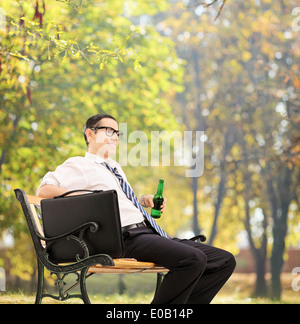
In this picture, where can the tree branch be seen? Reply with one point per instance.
(206, 5)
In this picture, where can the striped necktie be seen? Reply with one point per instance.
(131, 196)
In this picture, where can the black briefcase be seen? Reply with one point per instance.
(64, 213)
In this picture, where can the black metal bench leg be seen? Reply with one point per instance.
(40, 287)
(83, 290)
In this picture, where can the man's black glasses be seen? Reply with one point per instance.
(109, 131)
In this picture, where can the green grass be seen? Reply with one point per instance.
(140, 289)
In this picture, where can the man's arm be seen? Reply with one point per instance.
(50, 191)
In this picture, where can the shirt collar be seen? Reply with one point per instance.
(97, 159)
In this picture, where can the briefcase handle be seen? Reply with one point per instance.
(82, 190)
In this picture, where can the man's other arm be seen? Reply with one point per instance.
(50, 191)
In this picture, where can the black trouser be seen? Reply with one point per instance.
(197, 271)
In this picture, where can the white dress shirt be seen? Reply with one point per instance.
(88, 173)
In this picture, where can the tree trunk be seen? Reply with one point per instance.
(259, 254)
(280, 200)
(260, 285)
(221, 188)
(200, 125)
(196, 228)
(228, 142)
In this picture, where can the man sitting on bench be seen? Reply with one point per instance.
(197, 271)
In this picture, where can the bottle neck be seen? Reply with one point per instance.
(160, 187)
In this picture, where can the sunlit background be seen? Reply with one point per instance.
(230, 69)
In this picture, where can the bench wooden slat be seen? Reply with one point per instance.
(132, 266)
(132, 263)
(129, 266)
(125, 271)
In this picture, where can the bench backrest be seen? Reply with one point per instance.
(30, 206)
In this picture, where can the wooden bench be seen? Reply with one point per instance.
(83, 269)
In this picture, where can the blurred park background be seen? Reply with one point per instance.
(228, 68)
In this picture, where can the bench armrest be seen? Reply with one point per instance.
(91, 225)
(201, 237)
(71, 236)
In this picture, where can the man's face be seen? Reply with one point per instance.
(104, 143)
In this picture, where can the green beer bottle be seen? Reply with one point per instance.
(158, 199)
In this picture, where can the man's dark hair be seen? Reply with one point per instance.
(92, 122)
